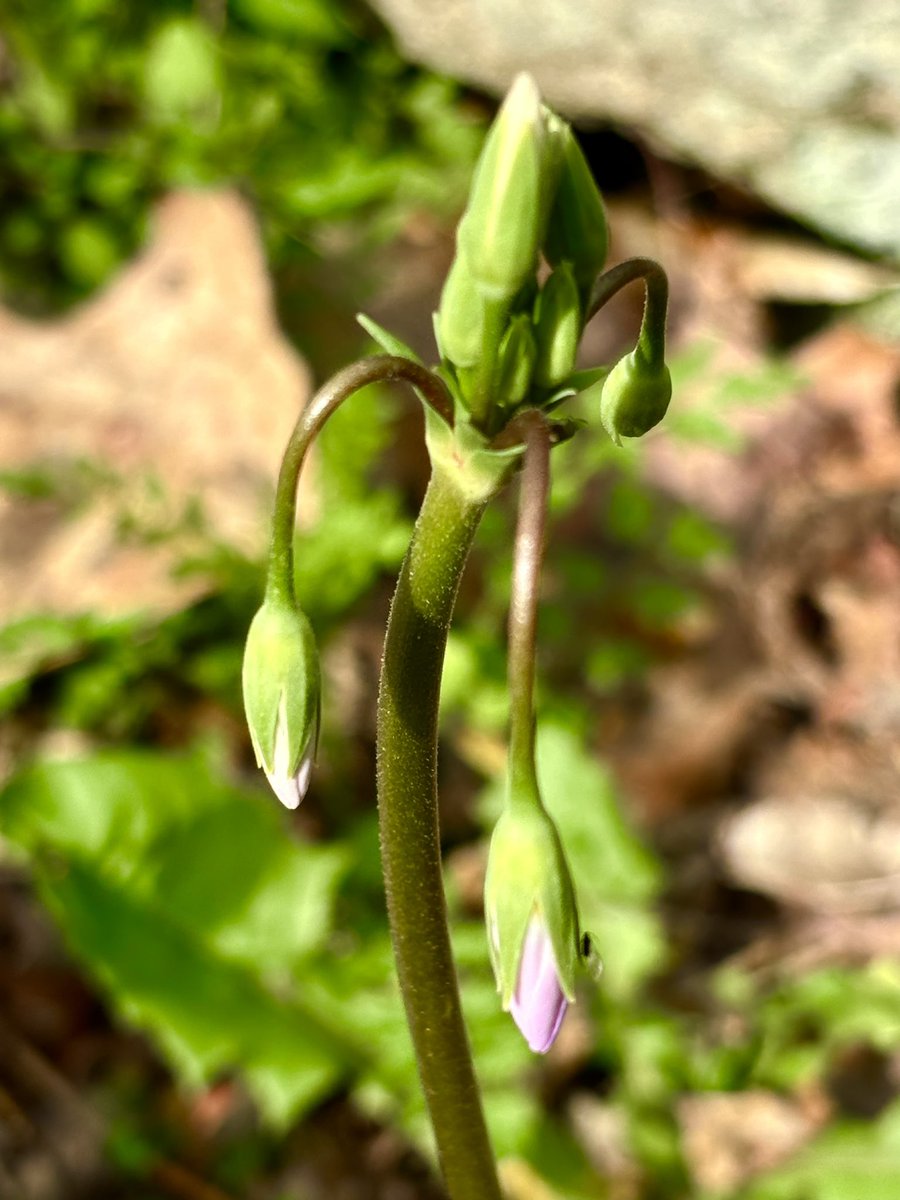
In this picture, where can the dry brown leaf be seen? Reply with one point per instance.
(730, 1137)
(824, 853)
(174, 382)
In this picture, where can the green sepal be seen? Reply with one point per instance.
(527, 875)
(465, 454)
(572, 385)
(633, 397)
(281, 681)
(388, 342)
(580, 381)
(499, 231)
(557, 327)
(576, 230)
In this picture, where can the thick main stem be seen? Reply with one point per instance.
(410, 844)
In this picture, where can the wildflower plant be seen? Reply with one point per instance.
(508, 331)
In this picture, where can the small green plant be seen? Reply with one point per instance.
(507, 344)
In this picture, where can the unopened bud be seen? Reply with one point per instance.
(634, 396)
(499, 230)
(516, 362)
(532, 921)
(461, 316)
(557, 327)
(576, 230)
(281, 685)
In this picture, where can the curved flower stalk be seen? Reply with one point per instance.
(530, 905)
(508, 345)
(281, 677)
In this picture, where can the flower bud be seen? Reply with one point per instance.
(634, 396)
(461, 316)
(557, 327)
(499, 230)
(516, 362)
(532, 921)
(576, 230)
(281, 684)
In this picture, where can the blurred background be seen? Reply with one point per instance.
(196, 992)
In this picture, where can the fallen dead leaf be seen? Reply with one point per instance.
(169, 396)
(822, 853)
(730, 1137)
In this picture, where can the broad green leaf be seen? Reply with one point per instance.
(189, 901)
(208, 1015)
(808, 1019)
(852, 1161)
(360, 992)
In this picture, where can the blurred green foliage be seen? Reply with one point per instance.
(236, 944)
(304, 104)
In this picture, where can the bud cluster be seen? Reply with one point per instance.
(508, 340)
(504, 339)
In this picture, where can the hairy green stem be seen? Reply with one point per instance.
(651, 339)
(410, 843)
(534, 489)
(380, 369)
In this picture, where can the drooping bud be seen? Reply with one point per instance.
(500, 228)
(634, 396)
(281, 685)
(516, 362)
(532, 921)
(557, 327)
(576, 230)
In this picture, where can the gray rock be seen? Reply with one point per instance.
(797, 101)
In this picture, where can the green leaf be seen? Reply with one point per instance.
(852, 1161)
(181, 70)
(89, 250)
(388, 342)
(191, 905)
(312, 20)
(609, 861)
(339, 560)
(840, 1007)
(361, 992)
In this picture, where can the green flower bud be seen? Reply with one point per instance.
(576, 230)
(557, 327)
(528, 880)
(281, 684)
(516, 362)
(500, 229)
(634, 396)
(461, 317)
